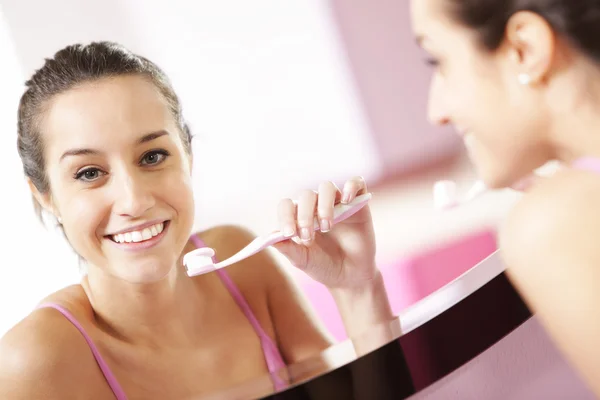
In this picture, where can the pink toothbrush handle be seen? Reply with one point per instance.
(345, 211)
(340, 213)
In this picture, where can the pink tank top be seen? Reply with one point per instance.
(273, 357)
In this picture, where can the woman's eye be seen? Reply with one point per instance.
(432, 62)
(88, 174)
(154, 157)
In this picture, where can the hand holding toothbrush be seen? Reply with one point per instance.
(338, 250)
(342, 256)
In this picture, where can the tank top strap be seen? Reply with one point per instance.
(106, 371)
(273, 357)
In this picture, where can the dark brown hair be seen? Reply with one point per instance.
(578, 21)
(72, 66)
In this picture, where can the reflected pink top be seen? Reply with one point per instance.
(273, 357)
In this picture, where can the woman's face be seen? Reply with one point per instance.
(119, 177)
(501, 121)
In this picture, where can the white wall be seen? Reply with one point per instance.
(34, 261)
(253, 76)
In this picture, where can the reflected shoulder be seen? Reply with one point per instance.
(227, 240)
(41, 357)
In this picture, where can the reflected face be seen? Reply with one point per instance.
(119, 177)
(477, 91)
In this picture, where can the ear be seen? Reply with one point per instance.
(531, 43)
(44, 199)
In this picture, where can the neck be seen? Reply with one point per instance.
(575, 126)
(149, 314)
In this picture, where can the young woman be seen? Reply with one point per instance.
(520, 81)
(106, 150)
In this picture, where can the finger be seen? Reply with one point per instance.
(286, 212)
(328, 195)
(307, 203)
(352, 188)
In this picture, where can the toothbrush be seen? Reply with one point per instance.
(445, 196)
(200, 261)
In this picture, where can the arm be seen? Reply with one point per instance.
(365, 309)
(551, 243)
(381, 374)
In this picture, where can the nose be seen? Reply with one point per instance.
(133, 195)
(437, 111)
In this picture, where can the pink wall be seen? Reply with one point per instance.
(393, 82)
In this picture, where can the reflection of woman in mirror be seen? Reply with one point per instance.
(520, 80)
(106, 151)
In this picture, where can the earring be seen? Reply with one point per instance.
(524, 79)
(59, 219)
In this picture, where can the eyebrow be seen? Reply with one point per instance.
(82, 152)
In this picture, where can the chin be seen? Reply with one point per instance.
(496, 177)
(147, 276)
(148, 271)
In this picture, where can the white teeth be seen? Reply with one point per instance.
(136, 236)
(146, 234)
(139, 236)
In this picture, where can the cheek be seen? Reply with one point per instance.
(483, 105)
(87, 211)
(177, 190)
(82, 210)
(84, 217)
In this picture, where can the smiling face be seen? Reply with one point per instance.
(119, 176)
(502, 121)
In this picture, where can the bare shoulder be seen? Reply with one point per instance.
(41, 357)
(262, 277)
(283, 309)
(558, 218)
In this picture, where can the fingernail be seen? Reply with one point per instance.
(325, 226)
(288, 231)
(346, 198)
(305, 234)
